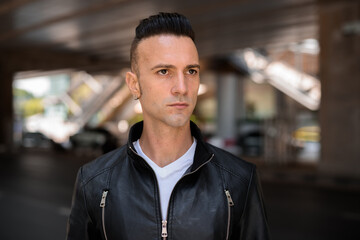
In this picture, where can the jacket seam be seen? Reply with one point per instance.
(229, 171)
(111, 170)
(84, 196)
(226, 188)
(85, 182)
(247, 193)
(157, 203)
(170, 222)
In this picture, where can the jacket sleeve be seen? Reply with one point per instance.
(254, 225)
(80, 226)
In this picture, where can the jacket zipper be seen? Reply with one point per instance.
(102, 205)
(230, 204)
(164, 233)
(165, 222)
(164, 230)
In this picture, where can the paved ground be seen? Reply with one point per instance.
(36, 189)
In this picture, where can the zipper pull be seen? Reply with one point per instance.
(230, 201)
(103, 198)
(164, 231)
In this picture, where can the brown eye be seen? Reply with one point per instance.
(163, 72)
(192, 71)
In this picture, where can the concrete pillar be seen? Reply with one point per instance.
(227, 96)
(339, 23)
(240, 100)
(6, 110)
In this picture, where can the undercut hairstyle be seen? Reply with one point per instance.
(162, 23)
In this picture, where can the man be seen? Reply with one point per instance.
(166, 183)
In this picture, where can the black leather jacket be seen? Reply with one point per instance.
(117, 197)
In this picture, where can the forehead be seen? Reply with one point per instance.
(167, 49)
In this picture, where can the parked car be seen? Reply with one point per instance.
(252, 143)
(36, 140)
(93, 141)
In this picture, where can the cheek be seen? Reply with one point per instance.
(153, 96)
(195, 88)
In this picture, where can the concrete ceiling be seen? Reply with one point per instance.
(103, 29)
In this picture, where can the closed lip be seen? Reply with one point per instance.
(179, 104)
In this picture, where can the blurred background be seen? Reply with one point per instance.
(280, 87)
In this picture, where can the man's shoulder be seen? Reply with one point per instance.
(232, 164)
(103, 164)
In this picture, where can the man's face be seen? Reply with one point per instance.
(168, 78)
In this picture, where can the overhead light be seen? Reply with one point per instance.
(309, 46)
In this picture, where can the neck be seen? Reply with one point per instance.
(163, 145)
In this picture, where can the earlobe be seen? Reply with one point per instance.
(133, 84)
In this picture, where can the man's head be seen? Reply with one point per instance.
(165, 69)
(162, 23)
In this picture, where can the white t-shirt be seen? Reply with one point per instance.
(169, 175)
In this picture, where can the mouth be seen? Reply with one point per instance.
(179, 105)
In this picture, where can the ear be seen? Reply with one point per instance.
(132, 82)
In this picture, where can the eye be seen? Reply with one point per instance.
(192, 71)
(163, 71)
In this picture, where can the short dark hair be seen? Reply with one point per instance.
(162, 23)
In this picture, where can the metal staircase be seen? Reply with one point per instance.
(298, 85)
(103, 90)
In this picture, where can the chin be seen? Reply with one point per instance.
(177, 121)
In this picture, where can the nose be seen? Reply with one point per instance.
(180, 86)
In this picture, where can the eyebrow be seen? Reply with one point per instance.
(163, 66)
(193, 66)
(172, 66)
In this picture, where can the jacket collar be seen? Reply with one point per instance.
(202, 152)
